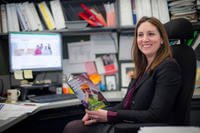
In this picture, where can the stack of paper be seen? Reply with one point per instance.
(11, 110)
(183, 9)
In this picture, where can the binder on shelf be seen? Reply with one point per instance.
(26, 19)
(12, 19)
(125, 13)
(9, 17)
(143, 8)
(36, 16)
(4, 18)
(134, 12)
(155, 9)
(30, 16)
(110, 14)
(57, 13)
(23, 20)
(46, 15)
(163, 11)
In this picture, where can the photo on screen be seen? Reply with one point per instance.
(35, 51)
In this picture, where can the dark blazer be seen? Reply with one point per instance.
(154, 96)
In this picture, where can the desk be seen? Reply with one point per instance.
(5, 124)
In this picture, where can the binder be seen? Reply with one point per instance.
(9, 17)
(13, 23)
(36, 17)
(30, 16)
(57, 13)
(110, 14)
(155, 10)
(22, 18)
(125, 13)
(143, 8)
(163, 11)
(4, 18)
(46, 14)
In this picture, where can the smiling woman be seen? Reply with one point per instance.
(151, 93)
(150, 44)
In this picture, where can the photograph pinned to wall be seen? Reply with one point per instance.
(106, 64)
(111, 82)
(127, 71)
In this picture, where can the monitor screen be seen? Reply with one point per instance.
(35, 51)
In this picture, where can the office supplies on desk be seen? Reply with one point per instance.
(52, 98)
(12, 95)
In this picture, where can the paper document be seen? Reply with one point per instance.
(11, 110)
(69, 68)
(104, 43)
(80, 52)
(125, 46)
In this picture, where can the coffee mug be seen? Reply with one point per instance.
(12, 95)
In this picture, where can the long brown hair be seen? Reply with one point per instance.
(163, 52)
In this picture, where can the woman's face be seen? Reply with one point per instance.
(148, 39)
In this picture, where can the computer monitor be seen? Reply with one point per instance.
(36, 51)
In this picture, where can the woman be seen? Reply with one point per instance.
(152, 92)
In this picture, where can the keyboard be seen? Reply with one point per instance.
(52, 98)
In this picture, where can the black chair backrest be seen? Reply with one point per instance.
(182, 29)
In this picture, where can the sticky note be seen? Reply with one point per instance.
(28, 74)
(18, 74)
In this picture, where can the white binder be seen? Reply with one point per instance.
(57, 13)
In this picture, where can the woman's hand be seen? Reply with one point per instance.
(92, 117)
(87, 120)
(99, 115)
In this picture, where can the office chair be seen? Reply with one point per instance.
(180, 29)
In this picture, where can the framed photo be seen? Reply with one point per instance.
(127, 69)
(110, 81)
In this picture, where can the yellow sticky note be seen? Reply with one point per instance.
(28, 74)
(18, 74)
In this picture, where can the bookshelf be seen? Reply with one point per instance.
(71, 8)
